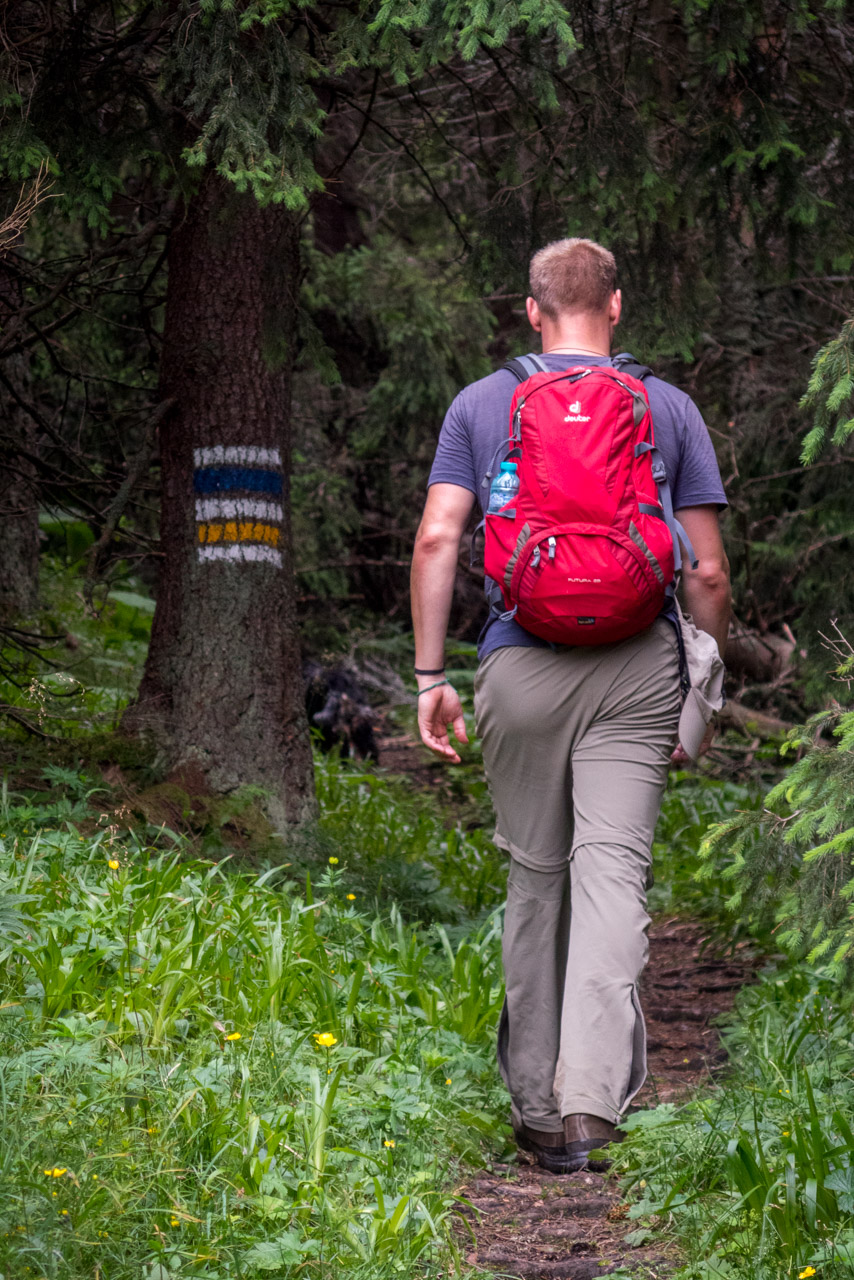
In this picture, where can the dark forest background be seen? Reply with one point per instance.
(403, 166)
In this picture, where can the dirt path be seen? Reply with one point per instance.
(541, 1226)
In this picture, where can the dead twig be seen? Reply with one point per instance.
(33, 193)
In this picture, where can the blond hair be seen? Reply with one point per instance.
(572, 275)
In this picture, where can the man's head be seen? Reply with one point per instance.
(573, 284)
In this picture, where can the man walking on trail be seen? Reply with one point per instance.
(577, 740)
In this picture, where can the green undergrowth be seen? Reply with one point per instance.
(755, 1177)
(225, 1056)
(168, 1108)
(211, 1073)
(77, 662)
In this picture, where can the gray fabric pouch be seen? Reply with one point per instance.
(706, 694)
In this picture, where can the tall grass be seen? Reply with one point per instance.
(215, 1073)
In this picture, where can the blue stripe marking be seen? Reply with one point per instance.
(223, 479)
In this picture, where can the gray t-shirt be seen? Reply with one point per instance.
(478, 421)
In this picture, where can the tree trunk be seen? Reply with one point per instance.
(19, 516)
(222, 688)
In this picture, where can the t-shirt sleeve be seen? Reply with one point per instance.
(698, 478)
(454, 460)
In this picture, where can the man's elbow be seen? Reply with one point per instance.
(435, 540)
(710, 579)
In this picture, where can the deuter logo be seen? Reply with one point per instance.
(575, 414)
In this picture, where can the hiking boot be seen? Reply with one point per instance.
(550, 1150)
(583, 1134)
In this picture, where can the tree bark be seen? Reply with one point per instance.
(222, 688)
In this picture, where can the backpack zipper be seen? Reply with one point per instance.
(571, 377)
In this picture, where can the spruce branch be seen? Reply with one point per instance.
(830, 395)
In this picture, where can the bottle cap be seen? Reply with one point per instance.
(508, 466)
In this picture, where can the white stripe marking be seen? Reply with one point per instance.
(238, 509)
(240, 455)
(242, 552)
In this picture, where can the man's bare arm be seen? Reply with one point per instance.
(706, 590)
(434, 567)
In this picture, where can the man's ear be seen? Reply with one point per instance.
(615, 308)
(534, 318)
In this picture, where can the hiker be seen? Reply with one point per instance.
(577, 735)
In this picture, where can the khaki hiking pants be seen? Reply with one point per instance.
(576, 744)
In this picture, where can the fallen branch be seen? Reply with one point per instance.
(14, 714)
(752, 723)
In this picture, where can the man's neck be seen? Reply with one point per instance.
(574, 349)
(574, 338)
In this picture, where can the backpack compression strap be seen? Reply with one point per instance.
(627, 363)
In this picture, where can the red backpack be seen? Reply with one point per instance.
(591, 552)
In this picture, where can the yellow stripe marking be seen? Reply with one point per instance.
(245, 531)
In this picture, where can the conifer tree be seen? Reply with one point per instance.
(217, 109)
(791, 860)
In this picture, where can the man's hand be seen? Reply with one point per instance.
(680, 757)
(436, 710)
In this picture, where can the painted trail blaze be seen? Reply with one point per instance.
(244, 524)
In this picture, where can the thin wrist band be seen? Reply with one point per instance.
(428, 687)
(436, 671)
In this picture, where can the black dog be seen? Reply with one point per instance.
(336, 705)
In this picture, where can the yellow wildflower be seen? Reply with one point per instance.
(174, 1222)
(807, 1271)
(785, 1133)
(333, 862)
(448, 1081)
(389, 1142)
(113, 864)
(54, 1173)
(235, 1035)
(64, 1213)
(351, 897)
(325, 1039)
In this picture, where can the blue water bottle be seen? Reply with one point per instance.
(503, 489)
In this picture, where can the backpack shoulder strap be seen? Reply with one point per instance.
(524, 367)
(627, 362)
